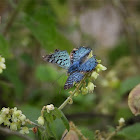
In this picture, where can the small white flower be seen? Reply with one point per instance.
(121, 121)
(6, 121)
(22, 118)
(100, 67)
(24, 130)
(5, 111)
(17, 113)
(94, 75)
(13, 126)
(2, 65)
(90, 87)
(50, 107)
(41, 120)
(3, 59)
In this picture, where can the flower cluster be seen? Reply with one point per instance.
(14, 119)
(89, 88)
(2, 65)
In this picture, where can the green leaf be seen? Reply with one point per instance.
(129, 84)
(42, 134)
(56, 112)
(65, 121)
(131, 132)
(57, 128)
(48, 117)
(4, 47)
(42, 26)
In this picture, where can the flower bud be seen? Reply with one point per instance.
(5, 110)
(121, 121)
(100, 67)
(2, 65)
(94, 75)
(50, 107)
(90, 87)
(24, 130)
(17, 113)
(13, 126)
(41, 120)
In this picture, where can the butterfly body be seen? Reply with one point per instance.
(77, 64)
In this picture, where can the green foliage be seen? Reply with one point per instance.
(55, 123)
(129, 84)
(12, 74)
(4, 47)
(87, 133)
(131, 132)
(42, 26)
(46, 73)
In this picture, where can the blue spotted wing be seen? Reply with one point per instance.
(88, 65)
(61, 58)
(73, 78)
(79, 53)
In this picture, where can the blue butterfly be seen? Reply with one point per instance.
(76, 63)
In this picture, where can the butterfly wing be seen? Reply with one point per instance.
(73, 78)
(61, 58)
(88, 65)
(79, 53)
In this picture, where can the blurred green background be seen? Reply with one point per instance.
(30, 29)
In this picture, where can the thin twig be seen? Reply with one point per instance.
(7, 131)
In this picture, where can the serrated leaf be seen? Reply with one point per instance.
(131, 132)
(4, 47)
(128, 84)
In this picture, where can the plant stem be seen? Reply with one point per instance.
(72, 94)
(118, 128)
(7, 131)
